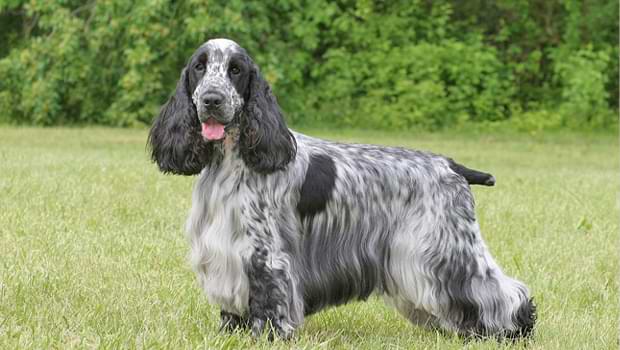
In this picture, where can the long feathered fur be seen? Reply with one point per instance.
(266, 144)
(283, 225)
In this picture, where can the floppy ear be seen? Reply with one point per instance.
(266, 144)
(175, 141)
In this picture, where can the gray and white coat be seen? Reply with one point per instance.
(283, 225)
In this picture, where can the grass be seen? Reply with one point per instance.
(93, 254)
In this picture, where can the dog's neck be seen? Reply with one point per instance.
(231, 141)
(227, 148)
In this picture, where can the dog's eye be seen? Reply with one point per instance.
(199, 67)
(235, 70)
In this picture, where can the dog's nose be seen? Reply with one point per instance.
(212, 100)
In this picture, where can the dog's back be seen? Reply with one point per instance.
(402, 223)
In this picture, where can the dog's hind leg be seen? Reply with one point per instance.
(440, 264)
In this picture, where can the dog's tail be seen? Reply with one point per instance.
(473, 177)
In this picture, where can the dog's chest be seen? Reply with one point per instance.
(218, 245)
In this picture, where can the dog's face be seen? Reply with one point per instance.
(220, 90)
(219, 73)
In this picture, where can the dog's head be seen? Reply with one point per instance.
(220, 91)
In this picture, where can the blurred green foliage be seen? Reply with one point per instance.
(533, 65)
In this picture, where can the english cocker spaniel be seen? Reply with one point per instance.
(283, 225)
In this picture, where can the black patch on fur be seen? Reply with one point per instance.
(242, 62)
(318, 185)
(473, 177)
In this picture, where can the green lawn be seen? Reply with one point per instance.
(93, 253)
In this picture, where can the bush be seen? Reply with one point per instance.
(424, 85)
(373, 64)
(582, 78)
(536, 121)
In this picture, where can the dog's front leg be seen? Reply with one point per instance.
(230, 322)
(272, 294)
(275, 303)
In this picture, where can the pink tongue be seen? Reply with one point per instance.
(212, 130)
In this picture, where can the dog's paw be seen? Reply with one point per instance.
(278, 328)
(230, 322)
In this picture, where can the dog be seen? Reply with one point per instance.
(283, 225)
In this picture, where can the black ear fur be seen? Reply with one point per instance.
(266, 144)
(175, 141)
